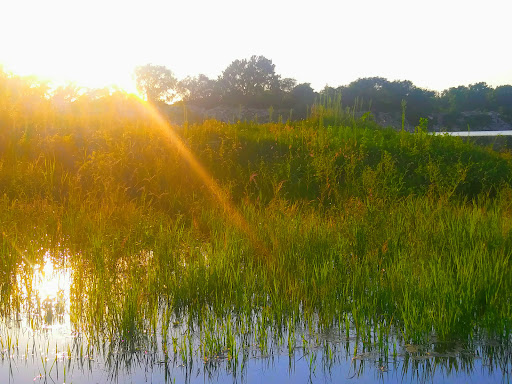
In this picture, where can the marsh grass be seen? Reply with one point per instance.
(389, 237)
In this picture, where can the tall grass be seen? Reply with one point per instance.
(365, 229)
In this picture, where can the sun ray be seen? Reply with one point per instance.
(220, 196)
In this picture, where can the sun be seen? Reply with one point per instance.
(86, 75)
(65, 42)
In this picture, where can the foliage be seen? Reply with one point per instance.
(200, 88)
(249, 77)
(314, 224)
(254, 82)
(156, 82)
(462, 98)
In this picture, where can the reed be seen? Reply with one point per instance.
(327, 223)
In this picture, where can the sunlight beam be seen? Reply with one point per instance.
(230, 212)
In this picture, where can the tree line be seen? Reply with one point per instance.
(254, 82)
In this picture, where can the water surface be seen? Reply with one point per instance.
(476, 133)
(42, 340)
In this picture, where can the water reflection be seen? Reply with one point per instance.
(86, 325)
(44, 294)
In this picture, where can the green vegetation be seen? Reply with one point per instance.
(330, 222)
(254, 83)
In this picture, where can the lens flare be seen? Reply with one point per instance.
(220, 196)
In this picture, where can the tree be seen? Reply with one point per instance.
(374, 91)
(198, 88)
(64, 95)
(420, 103)
(303, 94)
(21, 97)
(156, 82)
(287, 84)
(502, 101)
(463, 98)
(503, 96)
(250, 77)
(455, 98)
(479, 96)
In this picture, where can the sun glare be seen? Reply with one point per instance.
(231, 213)
(83, 77)
(48, 294)
(49, 282)
(75, 49)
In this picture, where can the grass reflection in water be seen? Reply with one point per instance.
(72, 328)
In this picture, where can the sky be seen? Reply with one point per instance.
(436, 44)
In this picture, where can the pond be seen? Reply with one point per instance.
(48, 335)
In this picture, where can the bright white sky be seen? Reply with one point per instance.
(436, 44)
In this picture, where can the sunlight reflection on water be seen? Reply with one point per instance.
(45, 290)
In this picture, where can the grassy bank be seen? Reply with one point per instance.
(328, 222)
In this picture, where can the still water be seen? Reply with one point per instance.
(476, 133)
(40, 342)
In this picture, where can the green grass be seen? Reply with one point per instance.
(348, 226)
